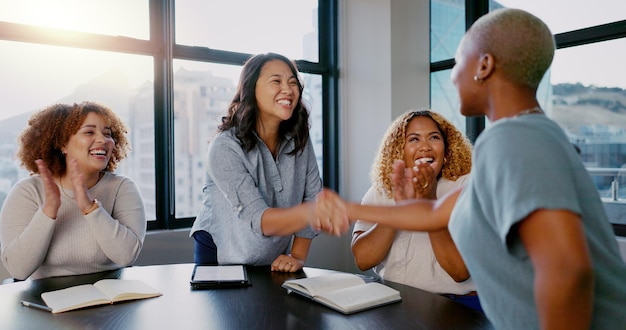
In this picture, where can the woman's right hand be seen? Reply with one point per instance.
(425, 180)
(52, 199)
(331, 213)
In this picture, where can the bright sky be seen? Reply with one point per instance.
(600, 64)
(47, 73)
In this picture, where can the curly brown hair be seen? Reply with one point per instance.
(50, 129)
(458, 150)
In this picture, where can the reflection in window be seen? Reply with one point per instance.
(444, 98)
(447, 26)
(37, 76)
(286, 27)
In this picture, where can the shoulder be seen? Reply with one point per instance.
(374, 197)
(30, 182)
(530, 127)
(115, 179)
(533, 137)
(444, 185)
(226, 140)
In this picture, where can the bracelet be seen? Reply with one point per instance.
(95, 204)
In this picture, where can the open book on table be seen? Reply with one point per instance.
(103, 292)
(344, 292)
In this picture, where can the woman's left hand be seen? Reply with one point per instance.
(81, 194)
(287, 263)
(425, 180)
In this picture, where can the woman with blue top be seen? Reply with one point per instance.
(529, 224)
(262, 174)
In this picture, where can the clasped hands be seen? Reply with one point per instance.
(332, 213)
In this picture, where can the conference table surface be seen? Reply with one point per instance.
(264, 305)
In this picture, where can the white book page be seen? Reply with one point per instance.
(219, 273)
(361, 297)
(325, 283)
(118, 290)
(76, 296)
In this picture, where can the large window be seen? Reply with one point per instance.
(168, 68)
(584, 90)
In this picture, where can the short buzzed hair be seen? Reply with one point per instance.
(521, 43)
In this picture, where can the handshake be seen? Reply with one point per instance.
(333, 215)
(330, 213)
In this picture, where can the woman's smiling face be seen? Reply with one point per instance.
(91, 145)
(424, 141)
(277, 92)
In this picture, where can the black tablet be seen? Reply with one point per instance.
(219, 276)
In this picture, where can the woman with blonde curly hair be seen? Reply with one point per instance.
(426, 260)
(73, 215)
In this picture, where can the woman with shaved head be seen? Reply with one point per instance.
(529, 224)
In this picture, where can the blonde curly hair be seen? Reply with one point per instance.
(458, 150)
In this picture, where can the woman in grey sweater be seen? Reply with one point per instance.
(73, 215)
(262, 174)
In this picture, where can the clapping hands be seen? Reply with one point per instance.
(52, 200)
(419, 181)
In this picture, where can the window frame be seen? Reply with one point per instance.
(161, 46)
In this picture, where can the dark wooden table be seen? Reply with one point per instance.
(264, 305)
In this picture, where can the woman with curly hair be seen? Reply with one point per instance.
(261, 175)
(73, 215)
(425, 260)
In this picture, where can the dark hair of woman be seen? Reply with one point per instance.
(243, 111)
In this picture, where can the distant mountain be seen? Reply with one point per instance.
(575, 105)
(111, 89)
(11, 127)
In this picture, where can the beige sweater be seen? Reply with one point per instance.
(37, 246)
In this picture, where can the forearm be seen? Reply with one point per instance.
(564, 298)
(448, 255)
(121, 243)
(119, 225)
(371, 247)
(414, 215)
(563, 284)
(24, 248)
(300, 248)
(286, 221)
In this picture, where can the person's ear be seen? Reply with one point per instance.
(485, 68)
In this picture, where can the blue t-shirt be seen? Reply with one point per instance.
(239, 186)
(521, 165)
